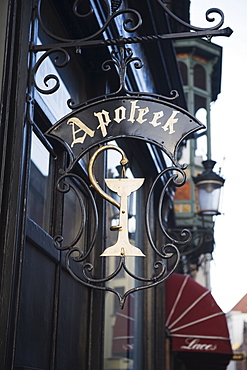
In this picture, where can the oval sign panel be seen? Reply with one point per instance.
(150, 119)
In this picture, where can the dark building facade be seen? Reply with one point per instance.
(48, 319)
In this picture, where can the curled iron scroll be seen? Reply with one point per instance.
(194, 28)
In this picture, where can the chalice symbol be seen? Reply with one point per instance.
(123, 187)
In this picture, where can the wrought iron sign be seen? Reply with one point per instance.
(121, 114)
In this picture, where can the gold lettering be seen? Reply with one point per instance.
(142, 113)
(120, 114)
(132, 110)
(75, 122)
(104, 120)
(170, 122)
(157, 115)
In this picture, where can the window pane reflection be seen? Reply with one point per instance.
(122, 329)
(39, 184)
(74, 216)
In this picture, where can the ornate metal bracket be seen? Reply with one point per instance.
(165, 115)
(133, 18)
(132, 21)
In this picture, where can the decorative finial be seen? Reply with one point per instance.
(115, 4)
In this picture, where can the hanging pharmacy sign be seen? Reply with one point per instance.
(149, 119)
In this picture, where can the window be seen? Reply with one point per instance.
(121, 325)
(200, 77)
(184, 72)
(40, 183)
(200, 102)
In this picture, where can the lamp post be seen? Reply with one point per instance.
(209, 186)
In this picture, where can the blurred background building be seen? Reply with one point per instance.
(237, 322)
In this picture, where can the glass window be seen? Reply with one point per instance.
(184, 72)
(56, 103)
(200, 102)
(39, 196)
(201, 142)
(200, 77)
(74, 215)
(121, 325)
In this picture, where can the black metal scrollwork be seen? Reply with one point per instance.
(135, 21)
(126, 57)
(121, 57)
(185, 234)
(76, 254)
(64, 186)
(58, 63)
(194, 28)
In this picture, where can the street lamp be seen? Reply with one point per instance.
(209, 185)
